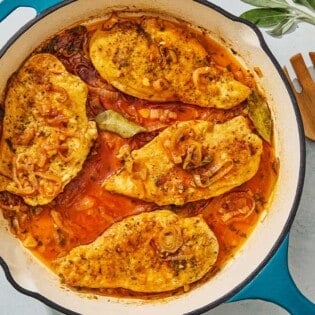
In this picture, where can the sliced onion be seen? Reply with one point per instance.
(160, 85)
(176, 159)
(196, 76)
(193, 156)
(30, 241)
(218, 171)
(85, 203)
(236, 206)
(169, 239)
(154, 113)
(50, 185)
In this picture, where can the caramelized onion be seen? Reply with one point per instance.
(160, 85)
(60, 230)
(85, 203)
(62, 95)
(25, 190)
(58, 121)
(217, 172)
(26, 137)
(48, 184)
(169, 240)
(193, 156)
(236, 206)
(56, 218)
(196, 76)
(30, 241)
(168, 56)
(25, 181)
(23, 162)
(176, 151)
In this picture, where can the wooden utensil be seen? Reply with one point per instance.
(305, 98)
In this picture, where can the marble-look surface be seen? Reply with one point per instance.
(302, 235)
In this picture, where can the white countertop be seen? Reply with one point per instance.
(302, 235)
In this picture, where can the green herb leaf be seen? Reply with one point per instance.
(279, 14)
(260, 115)
(268, 3)
(264, 17)
(283, 27)
(307, 3)
(110, 120)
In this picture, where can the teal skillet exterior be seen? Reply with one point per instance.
(7, 6)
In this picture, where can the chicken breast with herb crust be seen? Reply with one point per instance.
(158, 60)
(46, 134)
(189, 161)
(150, 252)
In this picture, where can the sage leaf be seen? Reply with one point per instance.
(268, 3)
(260, 115)
(282, 28)
(265, 17)
(279, 14)
(307, 3)
(110, 120)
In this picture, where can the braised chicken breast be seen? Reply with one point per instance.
(158, 60)
(150, 252)
(189, 161)
(46, 135)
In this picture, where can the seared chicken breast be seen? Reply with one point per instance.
(158, 60)
(46, 135)
(189, 161)
(150, 252)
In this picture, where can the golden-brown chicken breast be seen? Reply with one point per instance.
(150, 252)
(189, 161)
(159, 60)
(46, 134)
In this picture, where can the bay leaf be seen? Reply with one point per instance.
(110, 120)
(260, 115)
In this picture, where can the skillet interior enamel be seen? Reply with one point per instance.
(38, 281)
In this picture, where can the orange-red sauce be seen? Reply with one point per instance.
(84, 210)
